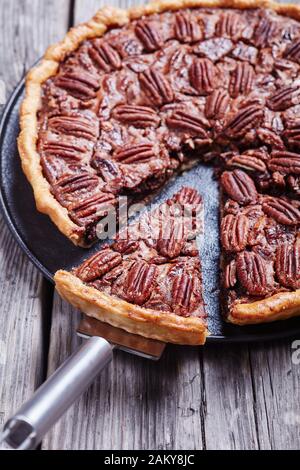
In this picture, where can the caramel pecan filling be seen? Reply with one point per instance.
(155, 262)
(191, 81)
(127, 110)
(260, 241)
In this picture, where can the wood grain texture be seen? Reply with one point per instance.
(229, 413)
(85, 9)
(21, 326)
(276, 378)
(135, 404)
(27, 27)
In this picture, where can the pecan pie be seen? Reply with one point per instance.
(149, 280)
(132, 97)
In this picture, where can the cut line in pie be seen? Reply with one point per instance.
(149, 280)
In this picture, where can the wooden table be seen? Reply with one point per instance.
(218, 397)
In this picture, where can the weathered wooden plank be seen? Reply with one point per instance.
(21, 354)
(252, 397)
(84, 9)
(276, 375)
(27, 27)
(229, 410)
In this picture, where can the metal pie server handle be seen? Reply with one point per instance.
(36, 417)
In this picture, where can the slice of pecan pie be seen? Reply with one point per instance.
(149, 280)
(261, 252)
(132, 97)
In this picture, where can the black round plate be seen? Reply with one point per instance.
(50, 251)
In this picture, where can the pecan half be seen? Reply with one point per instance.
(182, 291)
(67, 186)
(247, 118)
(242, 79)
(239, 186)
(188, 196)
(284, 98)
(171, 239)
(186, 122)
(234, 232)
(149, 35)
(156, 86)
(55, 167)
(292, 51)
(217, 104)
(135, 154)
(138, 116)
(139, 282)
(287, 265)
(292, 134)
(77, 126)
(104, 56)
(264, 32)
(90, 209)
(78, 83)
(247, 162)
(202, 76)
(69, 151)
(186, 29)
(229, 276)
(100, 264)
(229, 25)
(285, 162)
(252, 273)
(282, 211)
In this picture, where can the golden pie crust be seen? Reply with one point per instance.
(280, 306)
(160, 325)
(164, 326)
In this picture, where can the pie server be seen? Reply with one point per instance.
(35, 418)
